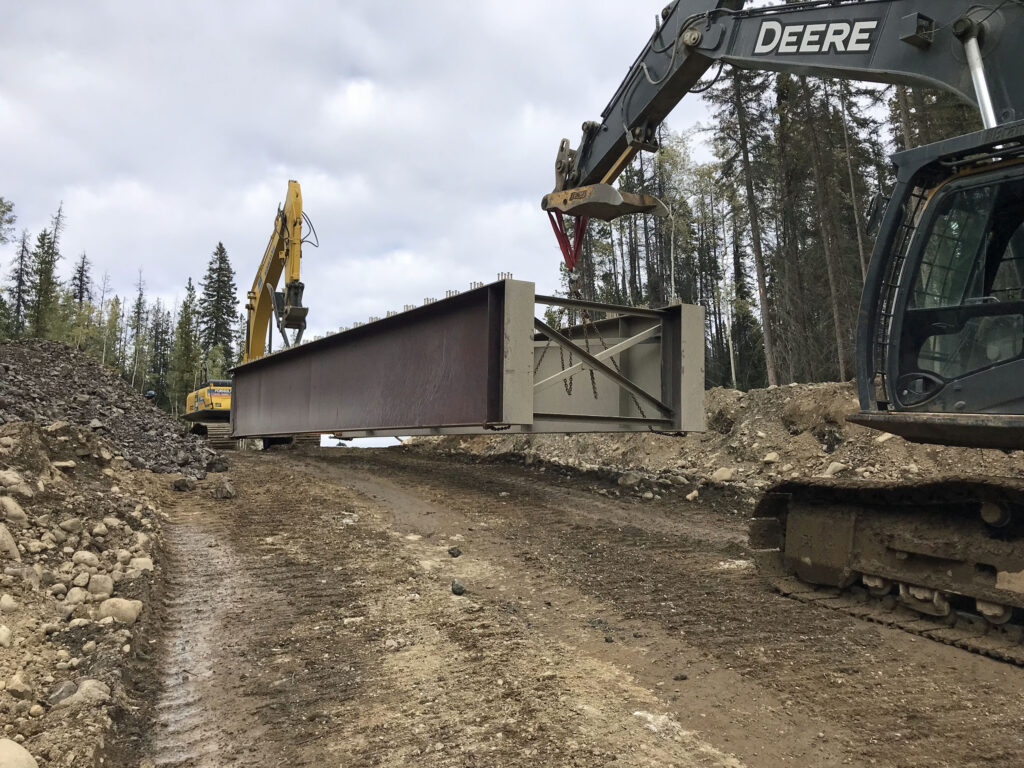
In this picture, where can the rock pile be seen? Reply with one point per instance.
(753, 441)
(77, 557)
(44, 382)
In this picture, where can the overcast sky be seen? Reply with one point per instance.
(423, 135)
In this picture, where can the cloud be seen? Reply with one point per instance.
(423, 135)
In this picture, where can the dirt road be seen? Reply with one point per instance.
(311, 621)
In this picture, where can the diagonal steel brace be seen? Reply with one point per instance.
(597, 365)
(622, 346)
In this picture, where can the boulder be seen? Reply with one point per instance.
(86, 558)
(90, 692)
(723, 475)
(8, 546)
(13, 755)
(12, 510)
(221, 488)
(120, 610)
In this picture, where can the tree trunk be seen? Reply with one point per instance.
(755, 236)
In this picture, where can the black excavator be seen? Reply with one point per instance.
(940, 340)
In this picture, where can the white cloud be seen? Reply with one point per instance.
(423, 135)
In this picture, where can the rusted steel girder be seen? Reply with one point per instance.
(478, 362)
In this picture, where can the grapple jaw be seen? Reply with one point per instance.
(601, 201)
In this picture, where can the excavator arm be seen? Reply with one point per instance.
(282, 257)
(957, 45)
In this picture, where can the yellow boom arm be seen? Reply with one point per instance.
(283, 255)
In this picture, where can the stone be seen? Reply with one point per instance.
(454, 551)
(692, 495)
(12, 510)
(458, 588)
(89, 647)
(13, 755)
(99, 530)
(723, 475)
(86, 558)
(648, 495)
(121, 610)
(72, 525)
(59, 590)
(61, 691)
(81, 580)
(76, 596)
(8, 546)
(141, 564)
(10, 478)
(217, 464)
(834, 469)
(221, 488)
(19, 687)
(101, 584)
(770, 458)
(884, 437)
(96, 424)
(123, 556)
(184, 484)
(6, 637)
(8, 604)
(67, 467)
(90, 692)
(111, 522)
(36, 710)
(630, 479)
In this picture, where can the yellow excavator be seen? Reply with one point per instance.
(264, 302)
(209, 407)
(940, 346)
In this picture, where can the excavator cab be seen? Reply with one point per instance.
(943, 309)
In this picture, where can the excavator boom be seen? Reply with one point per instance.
(963, 47)
(282, 257)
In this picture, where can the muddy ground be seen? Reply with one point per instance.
(311, 622)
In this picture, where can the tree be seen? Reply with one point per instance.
(137, 325)
(19, 291)
(160, 344)
(186, 351)
(81, 283)
(218, 306)
(7, 220)
(43, 296)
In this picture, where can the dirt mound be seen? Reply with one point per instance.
(45, 381)
(754, 440)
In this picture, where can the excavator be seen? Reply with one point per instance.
(940, 337)
(209, 407)
(264, 302)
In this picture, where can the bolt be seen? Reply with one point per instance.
(692, 37)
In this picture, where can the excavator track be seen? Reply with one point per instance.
(216, 433)
(940, 560)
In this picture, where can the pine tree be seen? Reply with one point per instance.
(186, 352)
(160, 343)
(218, 307)
(137, 326)
(112, 352)
(43, 295)
(81, 282)
(19, 291)
(7, 220)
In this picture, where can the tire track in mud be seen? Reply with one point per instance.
(237, 687)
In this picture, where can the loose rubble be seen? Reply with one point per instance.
(754, 440)
(79, 547)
